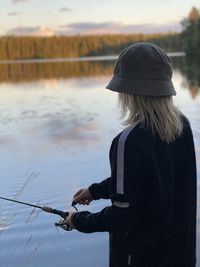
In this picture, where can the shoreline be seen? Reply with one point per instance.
(75, 59)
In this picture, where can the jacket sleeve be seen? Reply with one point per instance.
(110, 219)
(100, 190)
(120, 215)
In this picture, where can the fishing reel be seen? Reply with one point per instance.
(62, 224)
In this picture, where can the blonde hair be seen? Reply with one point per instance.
(158, 112)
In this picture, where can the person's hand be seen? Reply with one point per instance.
(68, 220)
(83, 197)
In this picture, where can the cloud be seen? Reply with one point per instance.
(92, 27)
(31, 31)
(117, 27)
(18, 1)
(85, 28)
(153, 27)
(65, 9)
(14, 13)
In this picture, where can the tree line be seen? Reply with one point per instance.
(13, 48)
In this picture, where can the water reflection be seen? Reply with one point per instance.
(7, 140)
(189, 68)
(71, 131)
(58, 70)
(58, 121)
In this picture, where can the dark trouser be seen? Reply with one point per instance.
(123, 254)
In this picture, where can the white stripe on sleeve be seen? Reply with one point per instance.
(120, 157)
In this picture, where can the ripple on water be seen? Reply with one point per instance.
(34, 125)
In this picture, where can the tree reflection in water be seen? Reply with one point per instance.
(190, 70)
(27, 72)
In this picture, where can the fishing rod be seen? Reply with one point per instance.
(61, 213)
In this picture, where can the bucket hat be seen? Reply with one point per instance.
(143, 69)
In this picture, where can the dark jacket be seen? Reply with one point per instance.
(152, 219)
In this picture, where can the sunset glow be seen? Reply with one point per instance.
(48, 17)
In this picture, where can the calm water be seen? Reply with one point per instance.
(56, 125)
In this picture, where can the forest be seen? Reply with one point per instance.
(26, 47)
(12, 48)
(190, 35)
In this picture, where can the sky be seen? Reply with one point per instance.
(69, 17)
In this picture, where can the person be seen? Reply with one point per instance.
(153, 185)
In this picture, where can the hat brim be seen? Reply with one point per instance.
(141, 87)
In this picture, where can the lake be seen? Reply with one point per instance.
(56, 125)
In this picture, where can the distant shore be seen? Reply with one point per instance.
(56, 47)
(75, 59)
